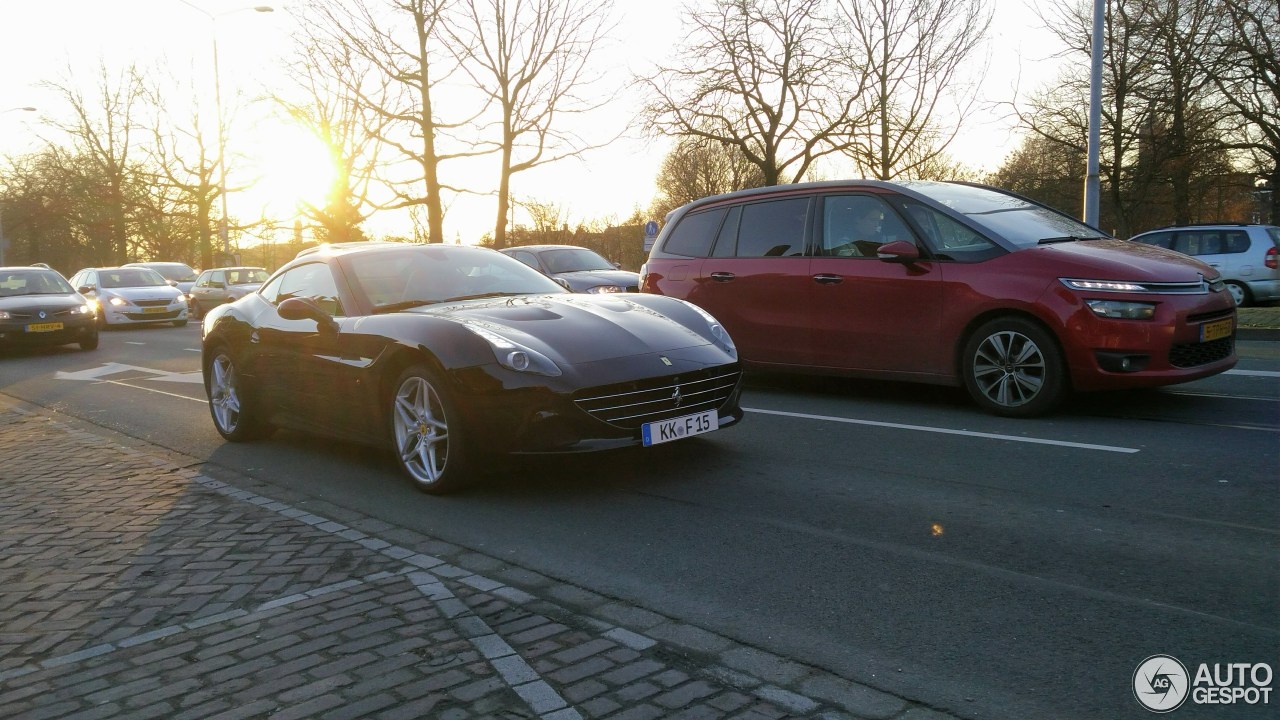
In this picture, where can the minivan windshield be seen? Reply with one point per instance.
(1023, 223)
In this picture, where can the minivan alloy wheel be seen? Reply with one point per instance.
(1013, 367)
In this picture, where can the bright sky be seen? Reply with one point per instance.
(43, 38)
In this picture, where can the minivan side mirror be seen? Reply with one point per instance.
(898, 251)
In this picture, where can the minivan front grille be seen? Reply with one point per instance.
(1197, 354)
(630, 405)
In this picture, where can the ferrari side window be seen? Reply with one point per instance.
(313, 281)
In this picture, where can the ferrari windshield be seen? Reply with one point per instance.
(1020, 221)
(425, 275)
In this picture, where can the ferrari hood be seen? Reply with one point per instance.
(577, 328)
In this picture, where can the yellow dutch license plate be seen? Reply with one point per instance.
(44, 327)
(1215, 330)
(154, 310)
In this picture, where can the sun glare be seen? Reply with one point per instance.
(291, 167)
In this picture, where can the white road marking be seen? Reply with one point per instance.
(948, 431)
(132, 342)
(1253, 373)
(192, 349)
(112, 368)
(202, 401)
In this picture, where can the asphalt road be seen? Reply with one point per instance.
(893, 534)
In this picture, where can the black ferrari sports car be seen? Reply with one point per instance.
(448, 352)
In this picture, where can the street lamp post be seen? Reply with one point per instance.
(217, 100)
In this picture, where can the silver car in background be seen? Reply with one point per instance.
(223, 285)
(1246, 255)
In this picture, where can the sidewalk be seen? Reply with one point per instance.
(134, 586)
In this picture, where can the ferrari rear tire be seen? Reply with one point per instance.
(427, 436)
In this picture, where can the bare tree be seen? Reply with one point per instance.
(331, 109)
(697, 167)
(532, 59)
(185, 159)
(405, 43)
(1244, 63)
(915, 52)
(101, 130)
(767, 77)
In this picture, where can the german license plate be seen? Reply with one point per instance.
(154, 310)
(44, 327)
(656, 433)
(1215, 330)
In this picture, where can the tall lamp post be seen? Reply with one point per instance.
(4, 241)
(217, 100)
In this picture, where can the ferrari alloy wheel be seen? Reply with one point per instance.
(233, 415)
(426, 432)
(1013, 367)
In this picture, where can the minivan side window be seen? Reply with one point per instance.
(693, 236)
(775, 228)
(948, 238)
(857, 225)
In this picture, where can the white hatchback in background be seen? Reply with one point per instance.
(1246, 255)
(131, 295)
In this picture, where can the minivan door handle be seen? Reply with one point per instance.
(722, 276)
(825, 279)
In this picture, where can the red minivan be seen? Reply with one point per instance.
(945, 283)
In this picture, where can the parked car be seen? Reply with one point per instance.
(39, 307)
(130, 295)
(214, 287)
(1246, 255)
(447, 354)
(577, 268)
(948, 283)
(180, 275)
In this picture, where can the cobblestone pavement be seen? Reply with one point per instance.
(135, 586)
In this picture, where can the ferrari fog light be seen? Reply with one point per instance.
(1121, 310)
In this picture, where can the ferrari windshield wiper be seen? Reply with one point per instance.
(1068, 238)
(405, 305)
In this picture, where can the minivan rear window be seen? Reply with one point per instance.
(693, 235)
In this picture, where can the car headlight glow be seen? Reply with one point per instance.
(1103, 285)
(514, 356)
(605, 289)
(1119, 309)
(4, 315)
(85, 309)
(717, 330)
(117, 301)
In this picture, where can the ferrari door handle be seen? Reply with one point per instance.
(722, 276)
(825, 279)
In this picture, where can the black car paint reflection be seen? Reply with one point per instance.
(451, 352)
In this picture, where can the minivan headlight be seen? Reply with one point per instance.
(1119, 309)
(1103, 285)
